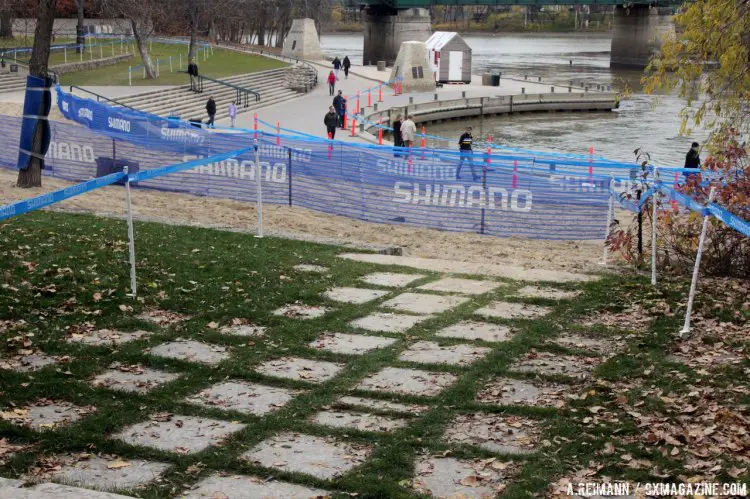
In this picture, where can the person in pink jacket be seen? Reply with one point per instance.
(331, 83)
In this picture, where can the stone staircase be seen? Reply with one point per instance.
(187, 104)
(11, 82)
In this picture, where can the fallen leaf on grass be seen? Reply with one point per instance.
(116, 465)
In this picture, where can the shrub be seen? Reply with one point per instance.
(726, 252)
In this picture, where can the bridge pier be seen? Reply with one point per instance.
(637, 34)
(387, 28)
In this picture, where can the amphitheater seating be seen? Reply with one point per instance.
(181, 101)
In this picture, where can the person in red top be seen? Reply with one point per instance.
(331, 83)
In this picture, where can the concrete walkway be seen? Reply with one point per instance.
(306, 113)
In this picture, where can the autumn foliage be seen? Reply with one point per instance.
(726, 251)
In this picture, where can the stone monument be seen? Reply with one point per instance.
(302, 42)
(413, 67)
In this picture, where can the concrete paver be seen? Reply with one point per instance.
(350, 344)
(407, 381)
(249, 487)
(320, 457)
(241, 396)
(470, 330)
(389, 323)
(180, 434)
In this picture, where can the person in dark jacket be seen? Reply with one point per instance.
(693, 158)
(464, 145)
(398, 141)
(211, 110)
(339, 104)
(331, 120)
(346, 64)
(336, 66)
(192, 70)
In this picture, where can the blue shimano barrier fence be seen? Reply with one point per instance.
(547, 198)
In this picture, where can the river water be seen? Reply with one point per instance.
(642, 121)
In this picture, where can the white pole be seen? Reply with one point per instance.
(113, 49)
(144, 71)
(65, 50)
(180, 60)
(101, 51)
(82, 46)
(655, 201)
(131, 235)
(686, 326)
(157, 68)
(258, 173)
(121, 49)
(130, 76)
(91, 53)
(170, 64)
(610, 216)
(150, 45)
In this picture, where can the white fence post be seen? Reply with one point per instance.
(131, 234)
(82, 47)
(65, 51)
(170, 65)
(610, 216)
(180, 60)
(655, 201)
(694, 283)
(121, 49)
(157, 68)
(101, 51)
(130, 76)
(258, 174)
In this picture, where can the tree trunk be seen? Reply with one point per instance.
(32, 176)
(191, 47)
(148, 64)
(6, 24)
(80, 38)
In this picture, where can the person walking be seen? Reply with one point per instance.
(233, 112)
(693, 159)
(331, 83)
(408, 131)
(336, 66)
(339, 104)
(464, 145)
(346, 64)
(397, 140)
(211, 110)
(331, 120)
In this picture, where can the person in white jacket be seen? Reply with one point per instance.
(409, 131)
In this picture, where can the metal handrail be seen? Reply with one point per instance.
(243, 94)
(275, 56)
(101, 97)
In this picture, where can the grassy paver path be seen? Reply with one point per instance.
(234, 388)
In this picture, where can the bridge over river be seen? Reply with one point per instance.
(638, 25)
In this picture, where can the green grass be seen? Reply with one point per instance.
(55, 263)
(222, 63)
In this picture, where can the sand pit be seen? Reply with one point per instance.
(300, 223)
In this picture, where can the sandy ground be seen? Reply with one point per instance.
(302, 223)
(185, 209)
(16, 109)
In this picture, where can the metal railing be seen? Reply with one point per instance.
(313, 71)
(100, 97)
(243, 94)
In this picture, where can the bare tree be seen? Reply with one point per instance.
(32, 175)
(143, 15)
(7, 13)
(80, 38)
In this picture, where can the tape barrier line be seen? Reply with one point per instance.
(166, 170)
(35, 203)
(38, 202)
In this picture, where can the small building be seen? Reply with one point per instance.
(450, 57)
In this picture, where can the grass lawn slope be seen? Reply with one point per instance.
(580, 381)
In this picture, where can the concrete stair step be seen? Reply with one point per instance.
(185, 93)
(199, 112)
(192, 108)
